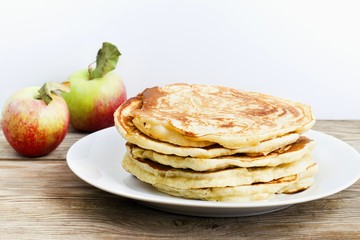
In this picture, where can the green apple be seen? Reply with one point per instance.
(35, 120)
(95, 94)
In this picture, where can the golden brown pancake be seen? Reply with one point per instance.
(291, 153)
(155, 173)
(125, 126)
(245, 193)
(200, 115)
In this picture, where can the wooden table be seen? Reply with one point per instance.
(40, 198)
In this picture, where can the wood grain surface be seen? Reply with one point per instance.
(40, 198)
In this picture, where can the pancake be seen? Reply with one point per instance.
(291, 153)
(125, 126)
(247, 193)
(155, 173)
(217, 143)
(199, 115)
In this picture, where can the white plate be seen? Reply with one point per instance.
(97, 157)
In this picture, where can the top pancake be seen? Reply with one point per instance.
(201, 115)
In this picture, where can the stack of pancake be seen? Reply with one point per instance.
(217, 143)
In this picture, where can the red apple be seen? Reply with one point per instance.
(95, 94)
(35, 120)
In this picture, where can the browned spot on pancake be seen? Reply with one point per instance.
(299, 144)
(310, 166)
(150, 96)
(227, 124)
(296, 191)
(260, 112)
(152, 164)
(280, 180)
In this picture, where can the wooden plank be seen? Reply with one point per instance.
(346, 130)
(41, 198)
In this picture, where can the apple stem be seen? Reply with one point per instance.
(90, 70)
(46, 91)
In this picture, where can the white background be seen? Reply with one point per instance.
(307, 51)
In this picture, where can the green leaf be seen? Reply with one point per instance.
(45, 92)
(106, 60)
